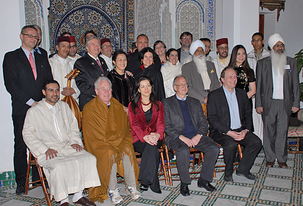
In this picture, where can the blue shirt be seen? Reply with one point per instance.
(234, 114)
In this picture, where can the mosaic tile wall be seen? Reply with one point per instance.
(108, 18)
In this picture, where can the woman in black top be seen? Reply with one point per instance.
(122, 83)
(246, 78)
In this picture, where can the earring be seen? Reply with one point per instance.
(141, 61)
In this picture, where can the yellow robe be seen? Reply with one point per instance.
(106, 135)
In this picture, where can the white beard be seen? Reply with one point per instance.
(278, 62)
(200, 62)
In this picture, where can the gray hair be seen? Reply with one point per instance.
(91, 38)
(102, 78)
(175, 79)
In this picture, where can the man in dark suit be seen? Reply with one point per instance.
(277, 96)
(229, 117)
(200, 74)
(133, 62)
(24, 73)
(186, 127)
(90, 66)
(186, 39)
(39, 49)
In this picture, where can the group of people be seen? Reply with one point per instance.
(128, 102)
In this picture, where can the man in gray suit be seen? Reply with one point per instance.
(186, 127)
(200, 74)
(278, 95)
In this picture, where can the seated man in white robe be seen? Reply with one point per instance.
(51, 133)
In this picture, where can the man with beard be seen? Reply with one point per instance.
(207, 43)
(61, 66)
(51, 133)
(186, 39)
(200, 74)
(106, 53)
(278, 95)
(222, 59)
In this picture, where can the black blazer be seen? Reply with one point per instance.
(218, 114)
(89, 73)
(19, 79)
(43, 52)
(174, 122)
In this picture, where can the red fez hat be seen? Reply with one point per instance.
(222, 41)
(62, 38)
(72, 39)
(105, 40)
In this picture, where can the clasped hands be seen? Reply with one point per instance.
(190, 142)
(51, 153)
(152, 138)
(238, 136)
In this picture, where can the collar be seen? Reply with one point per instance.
(93, 57)
(228, 92)
(179, 98)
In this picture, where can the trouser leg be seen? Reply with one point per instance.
(129, 173)
(211, 151)
(112, 184)
(183, 161)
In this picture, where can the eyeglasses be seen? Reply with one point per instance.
(279, 45)
(181, 85)
(223, 48)
(256, 40)
(142, 42)
(186, 37)
(31, 36)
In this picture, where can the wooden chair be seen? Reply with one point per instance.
(297, 133)
(33, 161)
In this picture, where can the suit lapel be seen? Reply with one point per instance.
(175, 104)
(224, 105)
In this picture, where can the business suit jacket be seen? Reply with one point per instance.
(195, 82)
(174, 122)
(264, 83)
(43, 51)
(19, 79)
(218, 114)
(89, 71)
(139, 127)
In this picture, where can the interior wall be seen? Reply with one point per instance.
(12, 18)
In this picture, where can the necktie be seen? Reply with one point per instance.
(97, 60)
(33, 65)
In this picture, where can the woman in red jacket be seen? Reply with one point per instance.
(146, 116)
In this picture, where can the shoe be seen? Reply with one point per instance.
(248, 176)
(143, 187)
(134, 193)
(269, 164)
(85, 201)
(156, 190)
(184, 190)
(282, 165)
(228, 178)
(115, 196)
(207, 186)
(20, 189)
(65, 204)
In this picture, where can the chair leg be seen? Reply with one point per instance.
(27, 173)
(168, 166)
(43, 185)
(240, 151)
(163, 168)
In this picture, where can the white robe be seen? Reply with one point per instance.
(59, 72)
(70, 171)
(219, 65)
(108, 61)
(257, 118)
(74, 59)
(169, 72)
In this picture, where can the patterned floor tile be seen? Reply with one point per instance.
(16, 203)
(274, 182)
(236, 190)
(280, 171)
(275, 196)
(190, 200)
(227, 202)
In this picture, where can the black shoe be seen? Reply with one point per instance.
(228, 178)
(20, 189)
(143, 187)
(184, 190)
(248, 176)
(207, 186)
(158, 190)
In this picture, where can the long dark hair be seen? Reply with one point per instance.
(137, 95)
(245, 65)
(145, 50)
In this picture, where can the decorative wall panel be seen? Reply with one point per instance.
(108, 19)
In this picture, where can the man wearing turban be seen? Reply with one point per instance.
(278, 95)
(200, 74)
